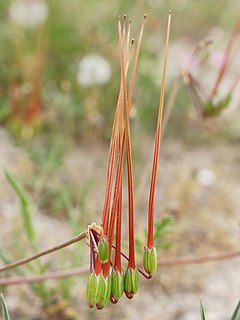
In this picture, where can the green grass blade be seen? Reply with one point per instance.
(202, 311)
(24, 206)
(5, 313)
(236, 312)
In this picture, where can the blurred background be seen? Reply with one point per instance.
(59, 81)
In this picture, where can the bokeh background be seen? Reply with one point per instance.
(59, 80)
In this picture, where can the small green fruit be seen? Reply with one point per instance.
(117, 284)
(131, 282)
(92, 289)
(104, 291)
(103, 249)
(150, 260)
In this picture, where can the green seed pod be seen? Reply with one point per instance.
(117, 284)
(109, 288)
(103, 250)
(92, 289)
(150, 260)
(104, 291)
(131, 282)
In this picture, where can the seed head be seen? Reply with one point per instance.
(150, 260)
(117, 284)
(92, 289)
(131, 282)
(103, 249)
(104, 291)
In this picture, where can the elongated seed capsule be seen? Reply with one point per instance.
(131, 282)
(103, 249)
(92, 289)
(150, 260)
(104, 291)
(117, 284)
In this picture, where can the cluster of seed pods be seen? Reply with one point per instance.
(107, 280)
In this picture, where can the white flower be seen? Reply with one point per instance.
(28, 13)
(92, 70)
(205, 177)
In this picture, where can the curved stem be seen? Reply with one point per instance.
(48, 276)
(168, 262)
(199, 259)
(80, 237)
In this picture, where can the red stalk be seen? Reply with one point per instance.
(117, 262)
(131, 262)
(110, 171)
(114, 205)
(127, 106)
(112, 147)
(117, 188)
(118, 181)
(150, 242)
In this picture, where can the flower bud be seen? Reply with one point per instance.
(131, 282)
(104, 291)
(103, 250)
(150, 260)
(92, 289)
(117, 285)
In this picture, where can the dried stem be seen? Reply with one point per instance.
(227, 56)
(80, 237)
(201, 45)
(162, 262)
(48, 276)
(150, 242)
(170, 103)
(199, 259)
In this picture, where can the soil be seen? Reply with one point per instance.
(206, 214)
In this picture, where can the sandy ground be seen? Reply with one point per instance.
(206, 211)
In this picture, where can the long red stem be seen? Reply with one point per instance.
(127, 106)
(131, 262)
(110, 172)
(117, 262)
(117, 188)
(114, 205)
(112, 147)
(150, 243)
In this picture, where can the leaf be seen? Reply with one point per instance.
(236, 312)
(164, 245)
(160, 227)
(202, 311)
(5, 313)
(24, 206)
